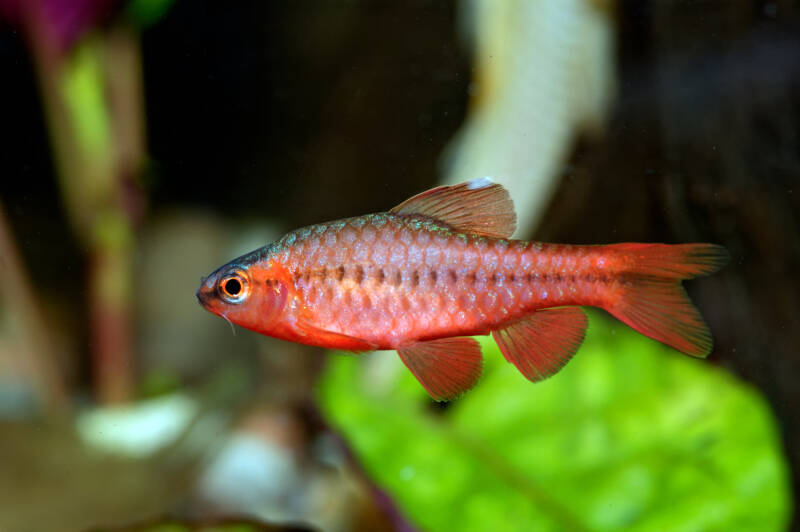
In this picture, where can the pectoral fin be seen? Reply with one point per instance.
(310, 334)
(543, 342)
(447, 367)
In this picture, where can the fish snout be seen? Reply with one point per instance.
(206, 291)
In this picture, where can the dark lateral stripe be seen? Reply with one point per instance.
(415, 278)
(561, 277)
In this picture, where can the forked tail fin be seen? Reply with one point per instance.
(651, 299)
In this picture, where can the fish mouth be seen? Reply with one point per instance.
(205, 293)
(201, 297)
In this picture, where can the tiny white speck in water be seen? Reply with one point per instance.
(481, 182)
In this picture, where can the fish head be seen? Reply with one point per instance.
(250, 295)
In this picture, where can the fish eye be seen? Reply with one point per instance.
(233, 288)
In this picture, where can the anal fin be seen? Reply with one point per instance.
(446, 367)
(540, 344)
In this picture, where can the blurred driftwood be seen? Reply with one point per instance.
(544, 73)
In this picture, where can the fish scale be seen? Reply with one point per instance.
(424, 282)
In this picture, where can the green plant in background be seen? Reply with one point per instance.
(87, 60)
(629, 436)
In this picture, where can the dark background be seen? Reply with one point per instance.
(309, 111)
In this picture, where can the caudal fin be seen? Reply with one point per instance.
(651, 298)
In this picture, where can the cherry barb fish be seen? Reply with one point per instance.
(441, 267)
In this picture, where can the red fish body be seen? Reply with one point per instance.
(441, 267)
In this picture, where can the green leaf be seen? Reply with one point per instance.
(630, 435)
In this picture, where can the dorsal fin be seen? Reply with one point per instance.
(478, 206)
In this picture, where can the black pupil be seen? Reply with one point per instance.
(233, 287)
